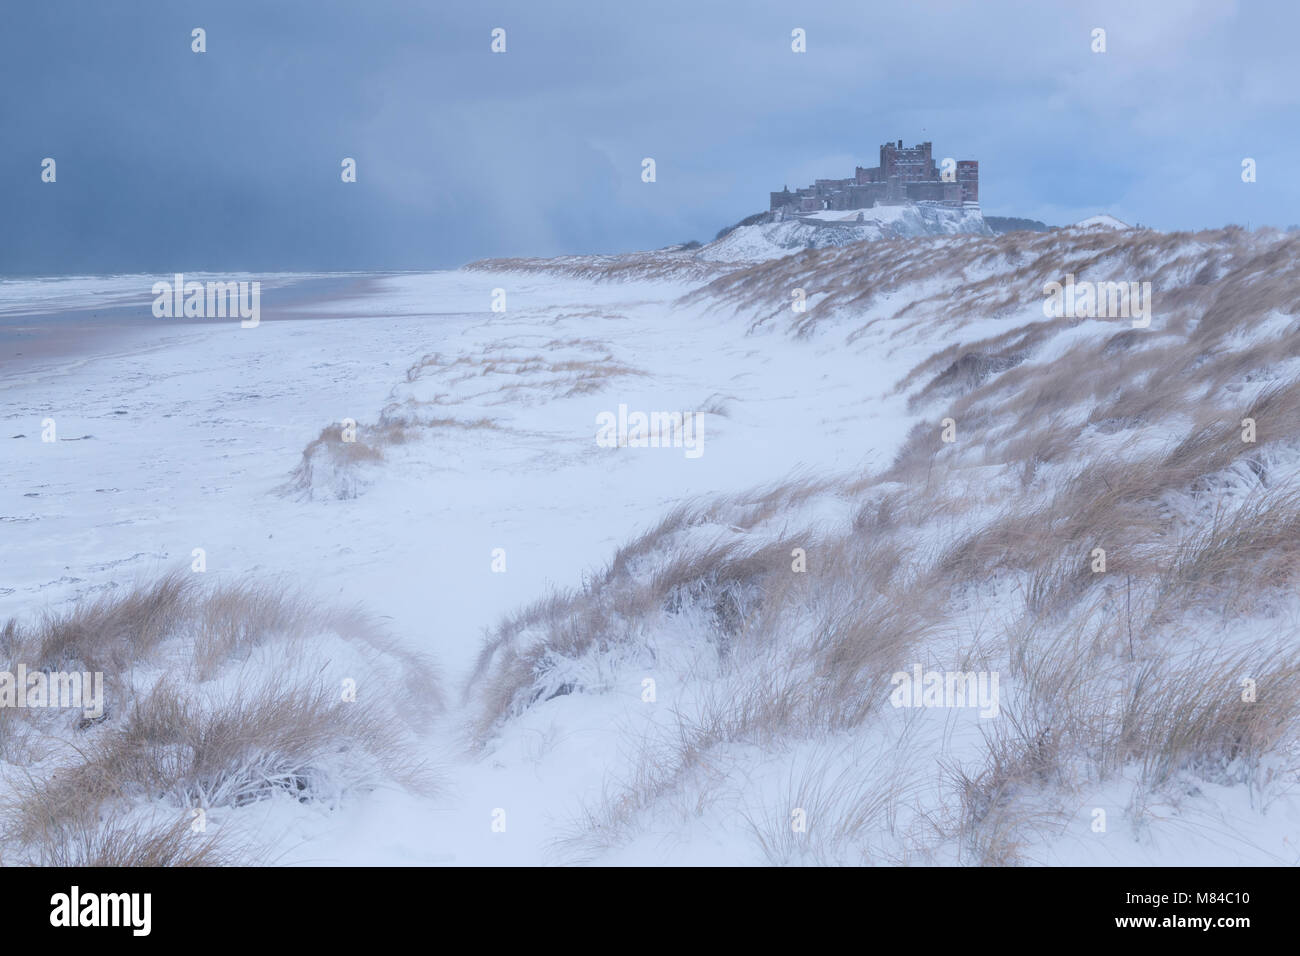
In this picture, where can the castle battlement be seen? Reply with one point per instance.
(905, 175)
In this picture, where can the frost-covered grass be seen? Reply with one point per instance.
(215, 698)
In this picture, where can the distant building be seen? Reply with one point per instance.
(905, 175)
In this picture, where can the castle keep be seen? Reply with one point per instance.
(905, 174)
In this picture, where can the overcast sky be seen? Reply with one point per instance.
(169, 160)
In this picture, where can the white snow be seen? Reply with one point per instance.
(1102, 221)
(819, 230)
(189, 441)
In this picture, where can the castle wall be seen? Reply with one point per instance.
(905, 174)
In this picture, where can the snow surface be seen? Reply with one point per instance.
(183, 443)
(1103, 221)
(188, 442)
(829, 228)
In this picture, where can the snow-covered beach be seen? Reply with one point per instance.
(482, 490)
(178, 436)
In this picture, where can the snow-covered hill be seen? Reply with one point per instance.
(1102, 221)
(838, 228)
(759, 242)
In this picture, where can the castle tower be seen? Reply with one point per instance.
(968, 177)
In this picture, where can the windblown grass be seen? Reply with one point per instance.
(1123, 439)
(215, 697)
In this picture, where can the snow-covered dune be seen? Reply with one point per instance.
(651, 655)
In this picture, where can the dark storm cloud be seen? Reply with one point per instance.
(170, 160)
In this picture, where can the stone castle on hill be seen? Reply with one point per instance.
(905, 175)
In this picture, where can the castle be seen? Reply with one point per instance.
(905, 175)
